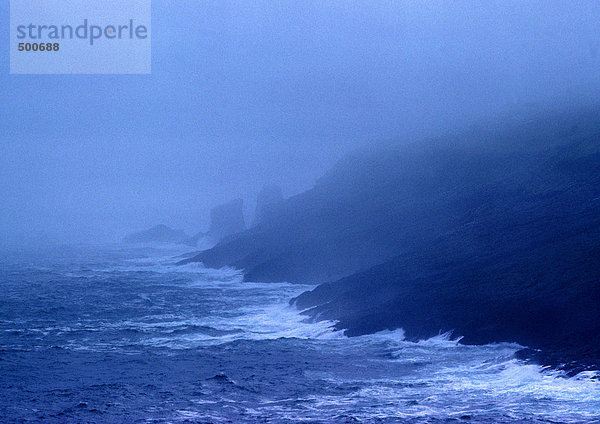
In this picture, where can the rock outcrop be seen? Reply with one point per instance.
(227, 219)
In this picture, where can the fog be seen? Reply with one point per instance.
(244, 94)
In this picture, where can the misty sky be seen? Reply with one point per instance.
(247, 93)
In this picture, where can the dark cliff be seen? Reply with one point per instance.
(495, 241)
(520, 263)
(376, 204)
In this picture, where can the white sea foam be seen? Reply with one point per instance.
(168, 309)
(444, 378)
(256, 321)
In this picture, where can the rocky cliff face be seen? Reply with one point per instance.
(497, 242)
(227, 219)
(522, 267)
(374, 205)
(362, 213)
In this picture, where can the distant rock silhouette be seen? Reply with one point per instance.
(193, 241)
(158, 234)
(227, 219)
(268, 204)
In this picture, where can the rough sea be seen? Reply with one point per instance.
(122, 335)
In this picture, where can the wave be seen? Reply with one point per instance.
(242, 339)
(278, 321)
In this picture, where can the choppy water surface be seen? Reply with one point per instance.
(122, 335)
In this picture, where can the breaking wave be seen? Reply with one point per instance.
(203, 345)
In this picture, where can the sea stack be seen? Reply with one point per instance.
(227, 219)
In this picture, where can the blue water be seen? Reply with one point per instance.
(121, 335)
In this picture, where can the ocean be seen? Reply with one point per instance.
(115, 334)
